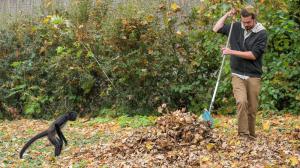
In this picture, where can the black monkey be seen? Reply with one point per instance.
(55, 128)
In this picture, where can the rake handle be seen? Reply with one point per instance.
(221, 68)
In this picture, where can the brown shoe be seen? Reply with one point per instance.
(243, 134)
(252, 137)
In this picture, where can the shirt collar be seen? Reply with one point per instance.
(257, 28)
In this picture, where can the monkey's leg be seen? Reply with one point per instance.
(60, 134)
(60, 145)
(56, 143)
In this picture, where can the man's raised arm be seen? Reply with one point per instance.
(221, 21)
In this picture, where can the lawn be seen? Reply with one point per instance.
(91, 143)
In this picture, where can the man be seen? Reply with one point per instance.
(248, 42)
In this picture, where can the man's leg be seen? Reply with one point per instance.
(240, 95)
(253, 88)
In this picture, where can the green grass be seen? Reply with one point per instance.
(99, 120)
(2, 133)
(30, 131)
(136, 121)
(80, 164)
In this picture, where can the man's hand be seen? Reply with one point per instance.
(243, 54)
(231, 13)
(226, 51)
(221, 21)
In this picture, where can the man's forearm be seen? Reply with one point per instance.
(220, 23)
(243, 54)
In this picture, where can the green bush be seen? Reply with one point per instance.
(280, 91)
(135, 57)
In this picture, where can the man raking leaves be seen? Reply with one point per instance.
(248, 42)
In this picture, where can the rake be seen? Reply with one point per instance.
(206, 116)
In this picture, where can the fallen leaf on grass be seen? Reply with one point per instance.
(266, 125)
(294, 161)
(210, 146)
(204, 159)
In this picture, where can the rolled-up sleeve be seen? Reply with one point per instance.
(260, 45)
(225, 29)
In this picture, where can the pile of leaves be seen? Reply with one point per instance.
(177, 139)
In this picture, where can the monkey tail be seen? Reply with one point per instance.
(38, 136)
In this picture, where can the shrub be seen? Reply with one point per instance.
(136, 57)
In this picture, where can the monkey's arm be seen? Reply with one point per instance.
(60, 134)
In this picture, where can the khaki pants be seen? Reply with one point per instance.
(246, 95)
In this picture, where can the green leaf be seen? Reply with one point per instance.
(16, 64)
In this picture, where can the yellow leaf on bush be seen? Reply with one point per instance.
(150, 18)
(175, 7)
(43, 49)
(266, 125)
(48, 4)
(179, 33)
(47, 19)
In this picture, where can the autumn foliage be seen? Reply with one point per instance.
(131, 59)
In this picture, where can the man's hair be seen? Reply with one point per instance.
(248, 11)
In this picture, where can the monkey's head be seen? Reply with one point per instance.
(72, 116)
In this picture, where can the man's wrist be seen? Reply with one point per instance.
(233, 52)
(227, 14)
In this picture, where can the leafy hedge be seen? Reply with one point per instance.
(132, 59)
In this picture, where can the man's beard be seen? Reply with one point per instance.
(248, 27)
